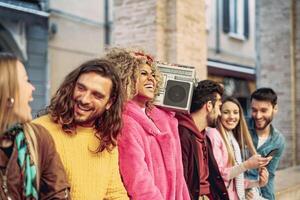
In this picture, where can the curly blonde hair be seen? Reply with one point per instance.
(127, 62)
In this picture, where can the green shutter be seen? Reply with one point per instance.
(246, 19)
(226, 16)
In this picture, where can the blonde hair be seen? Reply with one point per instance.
(9, 88)
(127, 62)
(240, 132)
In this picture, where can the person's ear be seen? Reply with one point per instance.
(209, 106)
(109, 103)
(275, 108)
(10, 102)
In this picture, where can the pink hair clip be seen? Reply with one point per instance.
(148, 57)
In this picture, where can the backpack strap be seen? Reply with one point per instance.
(33, 149)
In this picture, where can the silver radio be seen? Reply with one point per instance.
(177, 89)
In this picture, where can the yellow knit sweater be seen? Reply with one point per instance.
(92, 176)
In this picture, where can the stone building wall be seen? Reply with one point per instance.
(274, 67)
(297, 59)
(171, 30)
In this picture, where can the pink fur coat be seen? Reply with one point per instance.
(150, 155)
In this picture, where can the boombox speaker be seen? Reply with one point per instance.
(178, 94)
(177, 90)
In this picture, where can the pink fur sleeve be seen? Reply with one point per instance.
(136, 176)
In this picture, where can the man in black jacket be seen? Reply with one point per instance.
(200, 168)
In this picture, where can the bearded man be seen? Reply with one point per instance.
(201, 171)
(84, 119)
(265, 137)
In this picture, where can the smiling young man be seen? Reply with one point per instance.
(265, 137)
(84, 118)
(201, 171)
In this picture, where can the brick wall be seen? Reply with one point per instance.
(192, 48)
(274, 63)
(298, 78)
(135, 24)
(172, 30)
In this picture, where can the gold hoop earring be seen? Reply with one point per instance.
(10, 102)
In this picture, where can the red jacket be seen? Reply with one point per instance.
(190, 156)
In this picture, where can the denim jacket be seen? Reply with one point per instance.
(275, 141)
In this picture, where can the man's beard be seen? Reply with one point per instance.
(83, 122)
(212, 122)
(267, 122)
(87, 120)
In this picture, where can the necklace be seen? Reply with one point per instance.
(4, 183)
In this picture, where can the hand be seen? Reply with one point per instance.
(256, 161)
(249, 195)
(263, 177)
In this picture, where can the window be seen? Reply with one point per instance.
(108, 21)
(208, 18)
(235, 18)
(34, 1)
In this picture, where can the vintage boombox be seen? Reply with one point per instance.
(177, 88)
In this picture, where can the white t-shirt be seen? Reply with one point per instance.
(261, 141)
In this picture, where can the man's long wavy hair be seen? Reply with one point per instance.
(108, 125)
(128, 62)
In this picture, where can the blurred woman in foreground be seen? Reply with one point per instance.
(30, 167)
